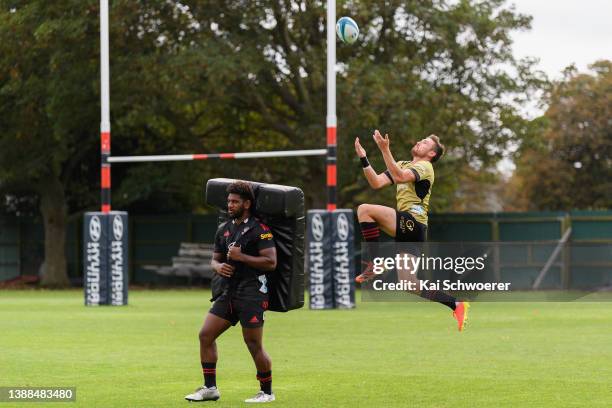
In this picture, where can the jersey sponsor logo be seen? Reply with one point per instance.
(264, 283)
(264, 227)
(226, 234)
(267, 235)
(406, 225)
(417, 209)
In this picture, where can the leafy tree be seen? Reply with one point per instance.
(49, 103)
(236, 75)
(419, 67)
(570, 165)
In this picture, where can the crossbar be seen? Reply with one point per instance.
(242, 155)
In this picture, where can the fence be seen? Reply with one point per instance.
(529, 240)
(527, 243)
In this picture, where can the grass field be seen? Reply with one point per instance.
(381, 354)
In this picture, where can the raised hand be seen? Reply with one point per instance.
(359, 149)
(381, 142)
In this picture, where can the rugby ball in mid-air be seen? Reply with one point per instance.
(347, 30)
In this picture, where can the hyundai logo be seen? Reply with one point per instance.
(317, 228)
(95, 228)
(343, 227)
(118, 228)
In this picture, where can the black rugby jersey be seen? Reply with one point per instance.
(252, 236)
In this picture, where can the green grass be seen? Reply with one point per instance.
(381, 354)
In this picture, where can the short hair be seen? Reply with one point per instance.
(243, 189)
(439, 148)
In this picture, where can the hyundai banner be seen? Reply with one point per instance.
(105, 258)
(343, 258)
(318, 260)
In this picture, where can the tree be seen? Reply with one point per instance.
(418, 68)
(570, 165)
(49, 101)
(236, 75)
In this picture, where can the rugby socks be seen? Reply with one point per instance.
(265, 381)
(440, 297)
(210, 374)
(370, 231)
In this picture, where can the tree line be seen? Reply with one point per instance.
(222, 76)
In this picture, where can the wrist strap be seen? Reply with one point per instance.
(364, 161)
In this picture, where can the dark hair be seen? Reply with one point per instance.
(439, 149)
(243, 189)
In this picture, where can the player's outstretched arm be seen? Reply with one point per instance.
(399, 175)
(375, 181)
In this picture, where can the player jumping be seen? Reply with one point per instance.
(408, 223)
(244, 252)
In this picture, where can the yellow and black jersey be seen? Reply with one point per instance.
(413, 197)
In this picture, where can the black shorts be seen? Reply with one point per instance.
(407, 229)
(250, 312)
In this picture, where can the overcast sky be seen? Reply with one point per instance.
(565, 32)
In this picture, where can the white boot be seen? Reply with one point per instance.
(204, 394)
(261, 397)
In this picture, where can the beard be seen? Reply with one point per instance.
(237, 214)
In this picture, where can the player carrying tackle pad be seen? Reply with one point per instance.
(244, 252)
(408, 223)
(259, 264)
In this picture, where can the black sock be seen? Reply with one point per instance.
(265, 381)
(370, 231)
(440, 297)
(210, 374)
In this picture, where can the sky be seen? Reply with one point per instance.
(565, 32)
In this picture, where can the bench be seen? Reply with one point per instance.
(193, 261)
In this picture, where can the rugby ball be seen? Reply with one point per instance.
(347, 30)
